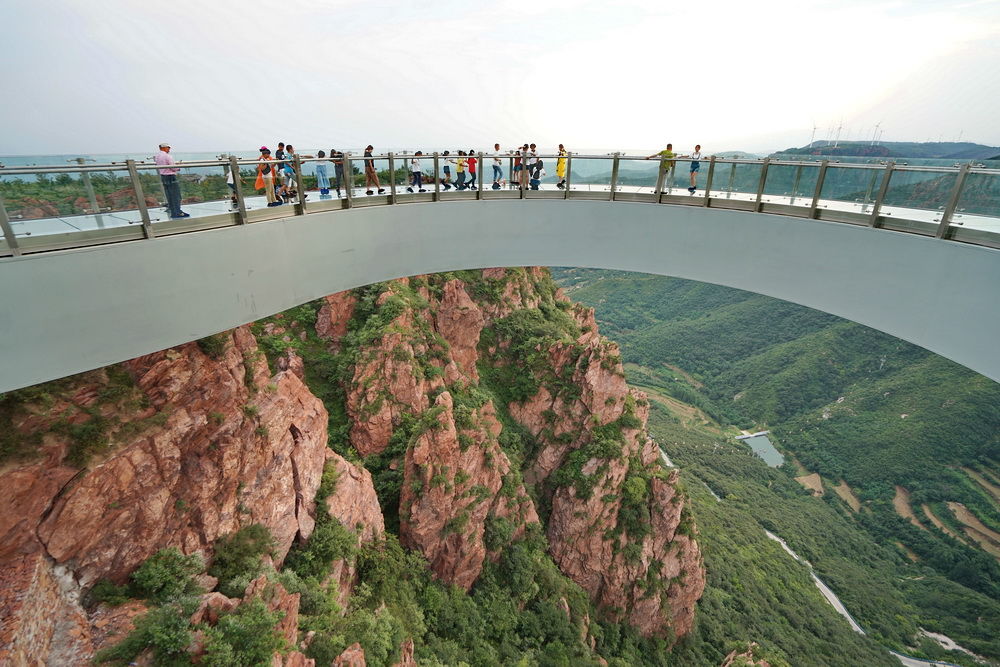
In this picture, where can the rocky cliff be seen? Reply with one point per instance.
(475, 418)
(617, 524)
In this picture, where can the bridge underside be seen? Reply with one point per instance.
(67, 312)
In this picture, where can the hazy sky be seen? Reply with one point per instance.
(95, 76)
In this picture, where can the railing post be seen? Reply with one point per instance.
(708, 180)
(661, 175)
(820, 177)
(760, 185)
(952, 205)
(348, 180)
(732, 179)
(614, 175)
(437, 177)
(140, 199)
(241, 205)
(300, 184)
(482, 181)
(877, 206)
(392, 178)
(795, 184)
(569, 173)
(88, 185)
(8, 231)
(868, 192)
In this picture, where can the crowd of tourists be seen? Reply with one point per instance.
(276, 174)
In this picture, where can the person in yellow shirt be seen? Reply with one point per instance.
(561, 167)
(666, 156)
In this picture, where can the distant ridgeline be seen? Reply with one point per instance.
(942, 150)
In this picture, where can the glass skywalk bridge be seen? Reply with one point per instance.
(54, 208)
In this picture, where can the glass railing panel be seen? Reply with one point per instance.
(918, 195)
(591, 174)
(979, 203)
(637, 175)
(53, 203)
(793, 185)
(731, 180)
(850, 189)
(324, 179)
(371, 176)
(202, 191)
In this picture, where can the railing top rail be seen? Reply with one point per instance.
(357, 157)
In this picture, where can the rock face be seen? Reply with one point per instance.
(617, 527)
(196, 447)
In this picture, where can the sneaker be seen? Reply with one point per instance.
(411, 190)
(369, 192)
(421, 190)
(381, 191)
(691, 190)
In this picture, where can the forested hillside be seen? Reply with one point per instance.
(905, 443)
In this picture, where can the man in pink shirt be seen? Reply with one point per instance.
(171, 187)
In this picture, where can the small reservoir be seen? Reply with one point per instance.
(762, 447)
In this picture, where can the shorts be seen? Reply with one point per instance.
(695, 166)
(447, 171)
(517, 167)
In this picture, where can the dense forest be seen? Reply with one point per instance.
(879, 418)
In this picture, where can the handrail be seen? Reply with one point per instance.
(936, 219)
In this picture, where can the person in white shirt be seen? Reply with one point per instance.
(695, 166)
(497, 168)
(417, 174)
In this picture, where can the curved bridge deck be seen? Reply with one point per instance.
(101, 302)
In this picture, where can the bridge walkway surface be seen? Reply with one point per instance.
(109, 290)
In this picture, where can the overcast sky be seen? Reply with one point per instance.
(106, 76)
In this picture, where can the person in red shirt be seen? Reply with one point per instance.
(472, 169)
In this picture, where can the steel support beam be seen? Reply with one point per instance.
(241, 205)
(952, 205)
(820, 177)
(883, 188)
(140, 200)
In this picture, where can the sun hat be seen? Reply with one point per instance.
(265, 148)
(164, 145)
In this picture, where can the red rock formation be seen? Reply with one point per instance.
(334, 315)
(353, 656)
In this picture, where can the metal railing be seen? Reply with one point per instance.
(959, 203)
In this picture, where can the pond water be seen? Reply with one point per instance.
(763, 448)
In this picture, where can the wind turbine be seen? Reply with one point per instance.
(839, 128)
(875, 132)
(813, 137)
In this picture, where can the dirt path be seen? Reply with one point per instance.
(908, 551)
(812, 482)
(902, 504)
(990, 488)
(987, 538)
(937, 522)
(847, 495)
(689, 414)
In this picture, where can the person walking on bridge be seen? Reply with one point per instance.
(417, 174)
(695, 166)
(497, 167)
(561, 167)
(472, 162)
(338, 170)
(371, 176)
(168, 177)
(265, 176)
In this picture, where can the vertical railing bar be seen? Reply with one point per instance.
(708, 180)
(614, 175)
(757, 205)
(140, 200)
(8, 231)
(481, 175)
(569, 173)
(868, 192)
(392, 178)
(732, 179)
(348, 180)
(88, 185)
(820, 177)
(300, 185)
(795, 184)
(234, 169)
(952, 205)
(883, 189)
(660, 176)
(437, 177)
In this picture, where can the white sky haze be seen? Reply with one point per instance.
(122, 75)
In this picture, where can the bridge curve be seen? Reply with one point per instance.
(69, 311)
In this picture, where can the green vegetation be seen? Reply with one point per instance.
(167, 575)
(848, 402)
(238, 558)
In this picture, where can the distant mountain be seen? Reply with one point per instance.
(946, 150)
